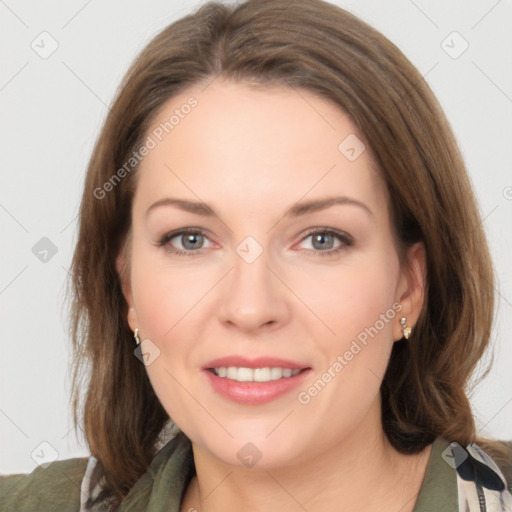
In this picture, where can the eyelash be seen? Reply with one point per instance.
(346, 241)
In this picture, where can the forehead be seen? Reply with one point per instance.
(244, 143)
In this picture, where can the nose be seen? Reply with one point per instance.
(253, 297)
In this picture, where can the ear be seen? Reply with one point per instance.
(411, 287)
(123, 271)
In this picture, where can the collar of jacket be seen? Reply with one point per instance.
(161, 488)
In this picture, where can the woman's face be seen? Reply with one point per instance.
(269, 269)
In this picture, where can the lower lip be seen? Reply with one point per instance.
(254, 393)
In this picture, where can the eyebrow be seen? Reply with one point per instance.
(298, 209)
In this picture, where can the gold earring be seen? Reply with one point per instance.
(136, 336)
(406, 330)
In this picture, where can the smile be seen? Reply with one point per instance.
(241, 384)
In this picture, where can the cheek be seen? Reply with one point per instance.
(165, 299)
(166, 294)
(354, 338)
(352, 296)
(355, 303)
(170, 300)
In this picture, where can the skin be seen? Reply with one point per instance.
(251, 154)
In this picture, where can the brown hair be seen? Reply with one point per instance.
(313, 45)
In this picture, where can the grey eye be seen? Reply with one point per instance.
(323, 241)
(191, 240)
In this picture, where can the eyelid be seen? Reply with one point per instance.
(163, 241)
(326, 229)
(345, 239)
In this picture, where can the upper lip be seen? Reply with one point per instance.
(258, 362)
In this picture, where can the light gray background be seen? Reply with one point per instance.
(52, 110)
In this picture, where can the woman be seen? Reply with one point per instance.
(281, 282)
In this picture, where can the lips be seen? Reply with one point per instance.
(254, 393)
(259, 362)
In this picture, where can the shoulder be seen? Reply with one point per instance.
(52, 488)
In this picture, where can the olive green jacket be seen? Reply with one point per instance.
(59, 488)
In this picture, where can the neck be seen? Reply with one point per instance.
(361, 472)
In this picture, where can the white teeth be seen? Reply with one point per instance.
(276, 373)
(245, 375)
(261, 374)
(232, 373)
(254, 374)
